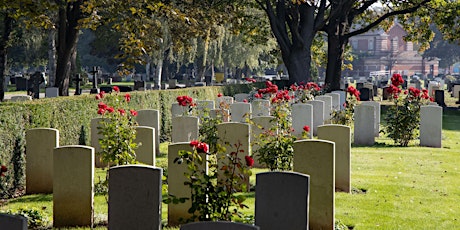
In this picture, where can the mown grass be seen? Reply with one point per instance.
(398, 188)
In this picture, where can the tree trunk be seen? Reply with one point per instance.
(335, 52)
(7, 29)
(159, 70)
(69, 15)
(51, 57)
(298, 64)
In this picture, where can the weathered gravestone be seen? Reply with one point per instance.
(95, 136)
(12, 222)
(302, 114)
(235, 137)
(222, 102)
(335, 101)
(260, 107)
(341, 136)
(364, 133)
(139, 85)
(316, 158)
(240, 97)
(204, 105)
(73, 186)
(386, 93)
(178, 213)
(343, 98)
(318, 115)
(260, 125)
(221, 114)
(218, 225)
(39, 159)
(327, 107)
(150, 118)
(282, 200)
(431, 126)
(135, 197)
(376, 106)
(184, 129)
(240, 111)
(145, 137)
(178, 110)
(52, 92)
(456, 91)
(21, 98)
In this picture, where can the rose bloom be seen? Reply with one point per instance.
(110, 109)
(116, 89)
(245, 100)
(202, 147)
(101, 111)
(133, 112)
(98, 97)
(194, 143)
(219, 95)
(3, 169)
(249, 161)
(122, 111)
(306, 128)
(127, 97)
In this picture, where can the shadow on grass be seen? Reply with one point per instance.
(33, 198)
(379, 145)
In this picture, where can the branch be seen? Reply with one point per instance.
(385, 16)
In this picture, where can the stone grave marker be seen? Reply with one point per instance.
(12, 222)
(20, 98)
(432, 86)
(316, 158)
(151, 118)
(51, 92)
(135, 197)
(335, 101)
(231, 134)
(172, 83)
(145, 137)
(222, 101)
(73, 186)
(359, 85)
(39, 159)
(222, 114)
(318, 114)
(341, 136)
(204, 107)
(343, 98)
(364, 130)
(327, 107)
(376, 115)
(385, 93)
(240, 111)
(95, 123)
(282, 200)
(302, 114)
(176, 186)
(178, 110)
(240, 97)
(218, 225)
(260, 107)
(365, 94)
(439, 97)
(260, 124)
(455, 91)
(184, 129)
(431, 126)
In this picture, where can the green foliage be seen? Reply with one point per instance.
(18, 161)
(35, 218)
(82, 138)
(346, 115)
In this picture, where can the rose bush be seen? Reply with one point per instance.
(403, 118)
(345, 116)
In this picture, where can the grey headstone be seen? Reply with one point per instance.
(178, 110)
(364, 130)
(150, 118)
(240, 111)
(302, 114)
(135, 197)
(218, 225)
(327, 107)
(431, 126)
(260, 107)
(12, 222)
(318, 115)
(240, 97)
(376, 115)
(184, 129)
(335, 100)
(52, 92)
(145, 137)
(21, 98)
(282, 200)
(343, 98)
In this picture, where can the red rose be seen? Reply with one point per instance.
(133, 112)
(3, 169)
(306, 128)
(101, 111)
(101, 94)
(127, 97)
(219, 95)
(116, 89)
(249, 161)
(110, 110)
(102, 105)
(98, 97)
(122, 111)
(194, 143)
(258, 95)
(202, 147)
(245, 100)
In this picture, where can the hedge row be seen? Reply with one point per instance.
(72, 114)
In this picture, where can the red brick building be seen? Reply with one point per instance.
(380, 50)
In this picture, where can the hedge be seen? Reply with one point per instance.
(72, 114)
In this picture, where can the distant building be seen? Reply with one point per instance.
(380, 50)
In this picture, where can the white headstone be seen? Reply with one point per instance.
(302, 114)
(260, 107)
(318, 114)
(376, 115)
(150, 118)
(455, 91)
(184, 129)
(178, 110)
(364, 133)
(145, 137)
(240, 111)
(222, 102)
(335, 101)
(431, 126)
(240, 97)
(343, 98)
(327, 107)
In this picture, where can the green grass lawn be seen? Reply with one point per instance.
(397, 188)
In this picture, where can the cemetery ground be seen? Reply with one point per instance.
(393, 187)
